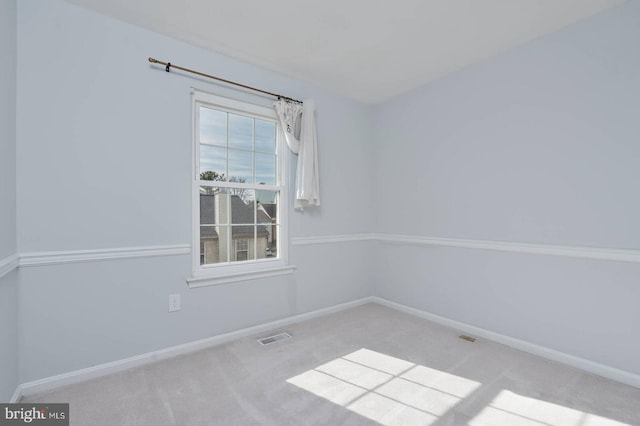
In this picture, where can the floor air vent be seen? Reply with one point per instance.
(272, 339)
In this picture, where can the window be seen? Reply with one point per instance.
(239, 191)
(242, 250)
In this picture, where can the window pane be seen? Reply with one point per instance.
(214, 206)
(242, 206)
(246, 195)
(240, 166)
(208, 245)
(265, 168)
(244, 236)
(213, 244)
(213, 163)
(213, 126)
(207, 206)
(267, 219)
(272, 242)
(240, 131)
(266, 207)
(266, 136)
(243, 232)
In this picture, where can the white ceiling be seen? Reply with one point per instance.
(368, 50)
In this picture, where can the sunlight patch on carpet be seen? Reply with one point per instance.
(393, 391)
(386, 389)
(509, 408)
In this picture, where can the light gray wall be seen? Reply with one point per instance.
(104, 161)
(9, 282)
(8, 128)
(538, 145)
(9, 361)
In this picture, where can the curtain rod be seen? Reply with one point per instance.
(169, 65)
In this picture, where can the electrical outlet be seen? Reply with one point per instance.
(174, 302)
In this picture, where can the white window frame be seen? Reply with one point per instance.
(212, 274)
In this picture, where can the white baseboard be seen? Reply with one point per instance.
(16, 395)
(532, 348)
(78, 376)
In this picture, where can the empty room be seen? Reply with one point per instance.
(320, 213)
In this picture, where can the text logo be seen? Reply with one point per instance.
(34, 414)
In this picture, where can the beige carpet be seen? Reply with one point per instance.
(367, 365)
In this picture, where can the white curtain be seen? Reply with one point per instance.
(299, 125)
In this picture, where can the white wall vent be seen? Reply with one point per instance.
(272, 339)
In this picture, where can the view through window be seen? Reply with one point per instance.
(239, 182)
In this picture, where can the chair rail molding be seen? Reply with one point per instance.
(8, 264)
(598, 253)
(75, 256)
(331, 239)
(30, 259)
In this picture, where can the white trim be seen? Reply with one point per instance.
(207, 280)
(619, 255)
(8, 264)
(57, 257)
(78, 376)
(330, 239)
(75, 256)
(227, 184)
(532, 348)
(599, 253)
(16, 395)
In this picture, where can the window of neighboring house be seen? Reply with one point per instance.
(239, 190)
(242, 250)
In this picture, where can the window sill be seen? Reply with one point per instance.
(207, 280)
